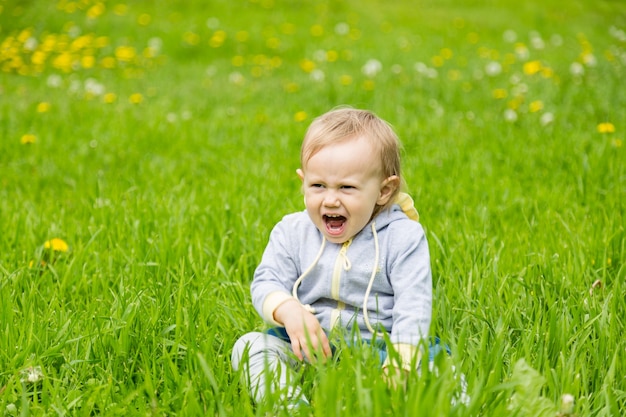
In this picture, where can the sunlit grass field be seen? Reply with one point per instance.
(147, 149)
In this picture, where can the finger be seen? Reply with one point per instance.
(326, 348)
(295, 346)
(307, 353)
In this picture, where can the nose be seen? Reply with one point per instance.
(331, 199)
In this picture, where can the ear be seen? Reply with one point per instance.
(300, 174)
(387, 188)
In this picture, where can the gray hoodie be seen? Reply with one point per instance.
(385, 267)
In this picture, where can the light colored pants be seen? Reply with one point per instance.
(268, 366)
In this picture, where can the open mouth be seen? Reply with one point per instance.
(334, 223)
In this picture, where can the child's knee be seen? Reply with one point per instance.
(245, 344)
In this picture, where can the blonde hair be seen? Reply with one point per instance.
(346, 123)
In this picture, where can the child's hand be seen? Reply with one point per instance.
(307, 336)
(395, 377)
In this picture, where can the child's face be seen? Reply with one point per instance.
(342, 185)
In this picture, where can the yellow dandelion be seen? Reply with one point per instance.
(606, 127)
(237, 61)
(454, 75)
(547, 72)
(109, 98)
(63, 62)
(24, 35)
(108, 62)
(276, 62)
(317, 30)
(292, 87)
(437, 61)
(345, 79)
(95, 11)
(369, 85)
(617, 143)
(38, 58)
(136, 98)
(532, 67)
(273, 43)
(446, 53)
(27, 139)
(484, 52)
(500, 93)
(535, 106)
(217, 39)
(191, 38)
(125, 53)
(31, 264)
(144, 19)
(120, 9)
(473, 37)
(332, 55)
(355, 34)
(101, 42)
(43, 107)
(56, 244)
(288, 28)
(300, 116)
(260, 59)
(242, 36)
(88, 61)
(307, 65)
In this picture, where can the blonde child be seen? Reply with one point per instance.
(356, 257)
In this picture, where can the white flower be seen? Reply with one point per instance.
(11, 409)
(236, 78)
(567, 404)
(371, 68)
(590, 60)
(54, 80)
(536, 41)
(32, 374)
(317, 75)
(493, 68)
(576, 69)
(155, 44)
(342, 28)
(171, 117)
(30, 44)
(617, 33)
(520, 89)
(92, 86)
(420, 67)
(320, 55)
(510, 115)
(509, 36)
(556, 40)
(546, 118)
(213, 23)
(211, 70)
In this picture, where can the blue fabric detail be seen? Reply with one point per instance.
(435, 347)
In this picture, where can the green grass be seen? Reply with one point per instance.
(167, 203)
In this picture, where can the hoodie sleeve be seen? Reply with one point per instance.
(276, 274)
(411, 279)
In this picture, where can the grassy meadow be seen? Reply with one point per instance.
(147, 149)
